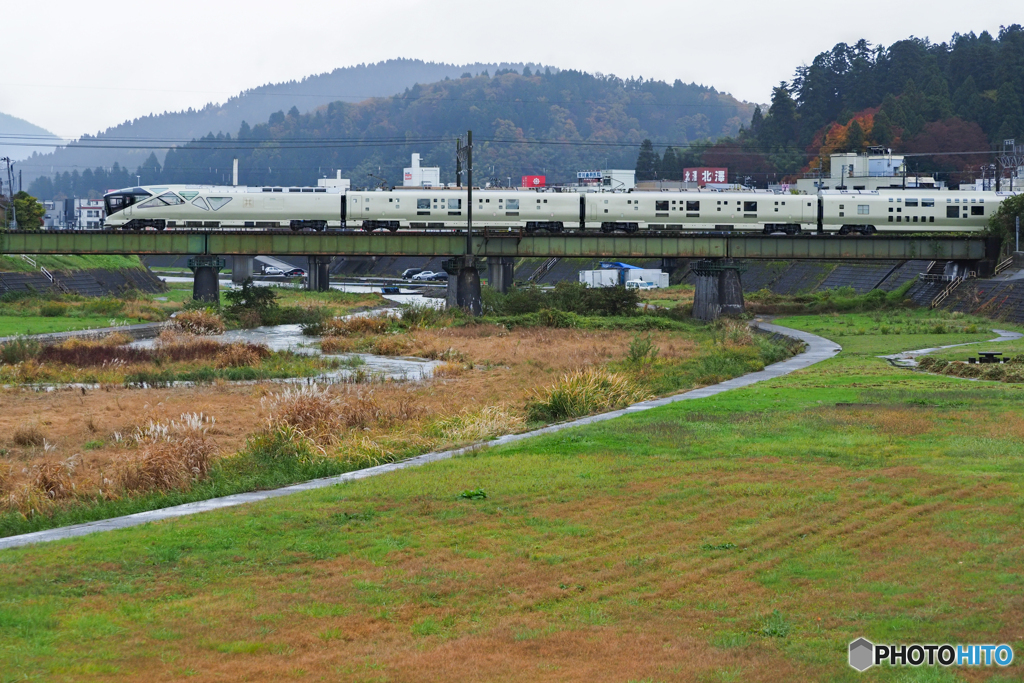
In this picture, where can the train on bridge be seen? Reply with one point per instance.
(529, 211)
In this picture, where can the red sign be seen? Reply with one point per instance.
(533, 181)
(408, 176)
(702, 176)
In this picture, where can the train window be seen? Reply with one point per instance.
(661, 205)
(842, 206)
(915, 218)
(319, 189)
(899, 219)
(200, 203)
(863, 209)
(749, 206)
(512, 204)
(783, 203)
(454, 203)
(776, 203)
(307, 189)
(216, 203)
(268, 189)
(606, 201)
(952, 212)
(927, 202)
(545, 201)
(890, 219)
(278, 189)
(390, 200)
(890, 209)
(972, 201)
(977, 210)
(294, 189)
(911, 202)
(948, 200)
(890, 200)
(166, 199)
(629, 201)
(931, 219)
(422, 203)
(808, 203)
(692, 206)
(488, 200)
(538, 201)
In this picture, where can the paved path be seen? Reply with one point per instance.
(817, 350)
(908, 359)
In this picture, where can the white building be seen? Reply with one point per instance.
(879, 169)
(89, 213)
(342, 184)
(421, 176)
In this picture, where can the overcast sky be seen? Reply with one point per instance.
(78, 67)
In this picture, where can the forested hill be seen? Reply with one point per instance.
(13, 129)
(349, 84)
(523, 122)
(914, 96)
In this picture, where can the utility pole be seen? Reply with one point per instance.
(469, 201)
(10, 192)
(458, 162)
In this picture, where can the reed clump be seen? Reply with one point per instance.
(585, 392)
(199, 322)
(169, 456)
(241, 354)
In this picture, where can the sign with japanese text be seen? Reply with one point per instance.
(533, 181)
(702, 176)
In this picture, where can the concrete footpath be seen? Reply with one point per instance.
(817, 350)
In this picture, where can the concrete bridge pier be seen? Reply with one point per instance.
(467, 294)
(205, 280)
(718, 289)
(501, 270)
(241, 269)
(318, 273)
(669, 265)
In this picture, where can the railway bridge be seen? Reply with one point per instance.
(717, 272)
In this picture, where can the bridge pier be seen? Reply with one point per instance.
(718, 289)
(318, 273)
(241, 269)
(501, 270)
(205, 281)
(463, 285)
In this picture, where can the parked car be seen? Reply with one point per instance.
(422, 275)
(409, 272)
(440, 275)
(639, 284)
(295, 272)
(272, 270)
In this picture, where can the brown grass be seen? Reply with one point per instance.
(169, 457)
(449, 369)
(28, 435)
(199, 322)
(55, 478)
(335, 345)
(357, 325)
(241, 354)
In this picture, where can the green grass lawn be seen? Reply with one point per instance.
(69, 262)
(35, 324)
(743, 537)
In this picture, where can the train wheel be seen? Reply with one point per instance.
(844, 230)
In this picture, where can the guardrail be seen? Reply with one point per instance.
(1003, 265)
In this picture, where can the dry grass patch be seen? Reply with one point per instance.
(241, 354)
(28, 436)
(585, 392)
(199, 322)
(168, 457)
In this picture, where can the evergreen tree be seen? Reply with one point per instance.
(914, 108)
(1011, 123)
(855, 137)
(881, 130)
(938, 104)
(647, 162)
(967, 101)
(756, 122)
(780, 126)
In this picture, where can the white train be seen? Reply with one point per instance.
(320, 208)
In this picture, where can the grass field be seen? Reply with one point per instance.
(744, 537)
(11, 325)
(68, 262)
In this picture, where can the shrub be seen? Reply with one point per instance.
(251, 298)
(642, 351)
(53, 310)
(106, 306)
(169, 457)
(449, 369)
(584, 392)
(199, 322)
(19, 350)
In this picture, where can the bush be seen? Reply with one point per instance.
(584, 392)
(642, 351)
(251, 298)
(567, 297)
(53, 310)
